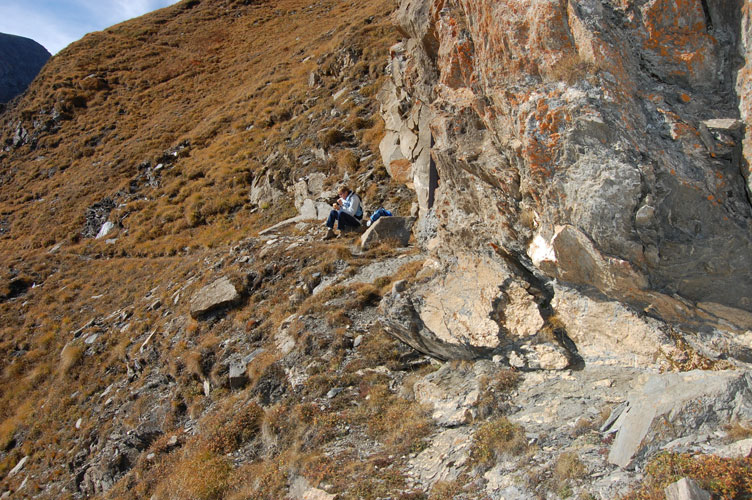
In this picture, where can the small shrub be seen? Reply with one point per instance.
(373, 136)
(196, 364)
(495, 438)
(366, 295)
(564, 490)
(494, 390)
(445, 490)
(400, 424)
(378, 348)
(260, 365)
(359, 123)
(725, 478)
(263, 480)
(582, 426)
(685, 358)
(347, 161)
(330, 137)
(409, 271)
(568, 466)
(235, 429)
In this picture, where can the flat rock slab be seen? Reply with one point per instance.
(220, 293)
(695, 401)
(739, 449)
(388, 228)
(453, 393)
(444, 459)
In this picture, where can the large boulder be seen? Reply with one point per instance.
(475, 306)
(263, 192)
(397, 229)
(606, 331)
(311, 200)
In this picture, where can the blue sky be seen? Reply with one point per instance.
(56, 23)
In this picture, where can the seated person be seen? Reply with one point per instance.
(346, 210)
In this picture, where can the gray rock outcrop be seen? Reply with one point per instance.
(21, 59)
(453, 394)
(445, 459)
(581, 152)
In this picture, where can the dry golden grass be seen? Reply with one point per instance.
(496, 438)
(238, 426)
(69, 357)
(568, 466)
(446, 490)
(263, 54)
(494, 390)
(738, 430)
(198, 475)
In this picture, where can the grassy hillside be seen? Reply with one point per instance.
(163, 124)
(225, 82)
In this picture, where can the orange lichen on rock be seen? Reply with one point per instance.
(456, 55)
(542, 135)
(676, 33)
(517, 38)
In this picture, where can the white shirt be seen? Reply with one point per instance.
(350, 205)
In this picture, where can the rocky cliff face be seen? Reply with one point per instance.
(595, 144)
(172, 325)
(20, 61)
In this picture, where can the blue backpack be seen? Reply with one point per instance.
(381, 212)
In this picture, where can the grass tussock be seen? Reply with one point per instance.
(199, 475)
(737, 431)
(496, 438)
(494, 391)
(568, 466)
(234, 429)
(400, 423)
(70, 356)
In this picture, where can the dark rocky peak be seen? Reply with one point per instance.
(20, 61)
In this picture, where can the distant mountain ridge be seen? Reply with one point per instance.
(20, 61)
